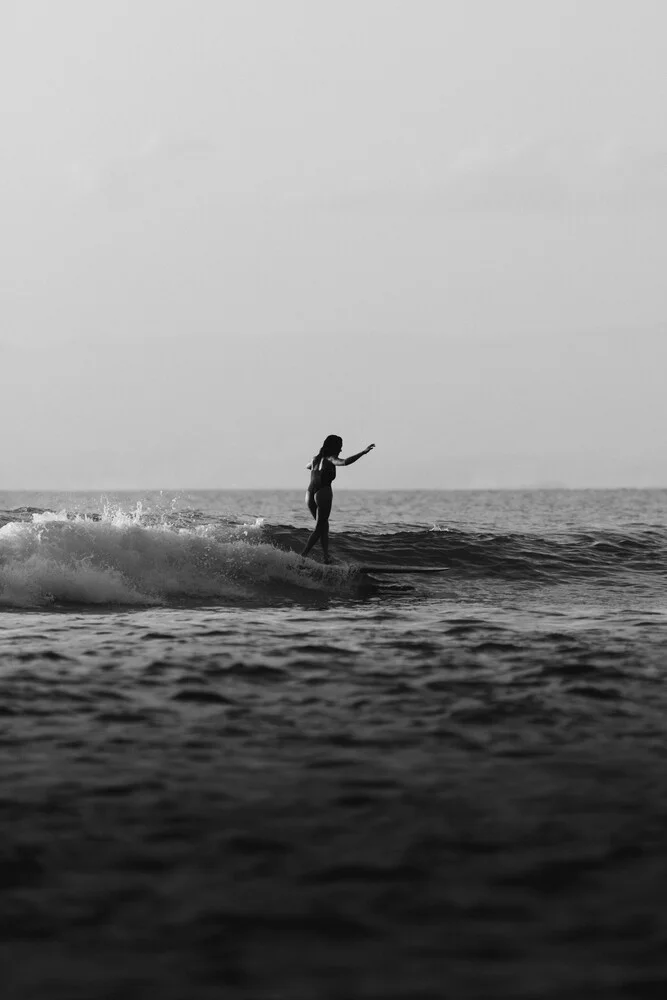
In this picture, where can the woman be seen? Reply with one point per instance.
(319, 495)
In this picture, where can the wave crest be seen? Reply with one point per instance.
(117, 558)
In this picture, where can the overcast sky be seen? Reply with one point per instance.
(229, 229)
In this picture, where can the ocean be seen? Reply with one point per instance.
(226, 771)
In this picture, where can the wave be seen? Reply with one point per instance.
(117, 558)
(558, 555)
(152, 558)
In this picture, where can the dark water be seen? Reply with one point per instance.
(229, 772)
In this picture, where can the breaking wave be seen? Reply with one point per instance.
(144, 558)
(116, 558)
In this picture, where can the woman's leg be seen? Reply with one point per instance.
(324, 540)
(323, 500)
(310, 502)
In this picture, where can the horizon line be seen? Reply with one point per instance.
(536, 487)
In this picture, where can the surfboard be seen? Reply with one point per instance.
(401, 569)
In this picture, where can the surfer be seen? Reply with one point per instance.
(319, 495)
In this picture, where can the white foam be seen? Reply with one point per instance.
(119, 559)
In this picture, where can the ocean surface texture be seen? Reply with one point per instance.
(226, 771)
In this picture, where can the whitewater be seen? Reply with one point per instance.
(227, 770)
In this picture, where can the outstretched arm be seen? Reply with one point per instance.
(352, 458)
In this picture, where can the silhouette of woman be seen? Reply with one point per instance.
(319, 495)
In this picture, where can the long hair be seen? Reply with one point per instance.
(331, 446)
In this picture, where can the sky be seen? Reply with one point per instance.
(232, 227)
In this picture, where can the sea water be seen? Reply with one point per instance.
(229, 771)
